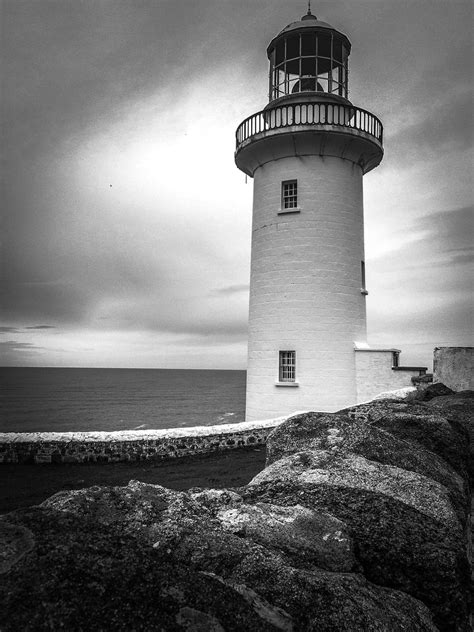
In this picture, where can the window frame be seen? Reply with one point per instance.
(289, 200)
(363, 289)
(287, 366)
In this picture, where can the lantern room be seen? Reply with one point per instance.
(309, 56)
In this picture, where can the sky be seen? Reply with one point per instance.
(125, 223)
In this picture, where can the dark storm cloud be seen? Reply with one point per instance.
(9, 330)
(41, 327)
(446, 125)
(73, 71)
(70, 65)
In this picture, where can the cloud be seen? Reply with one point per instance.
(9, 346)
(232, 289)
(421, 293)
(146, 97)
(446, 126)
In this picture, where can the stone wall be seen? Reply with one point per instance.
(454, 367)
(113, 447)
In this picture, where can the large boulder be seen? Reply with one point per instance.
(339, 432)
(143, 557)
(357, 524)
(459, 409)
(394, 473)
(438, 389)
(420, 424)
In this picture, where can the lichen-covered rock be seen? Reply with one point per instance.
(437, 389)
(330, 469)
(339, 433)
(83, 575)
(145, 558)
(318, 538)
(459, 408)
(381, 469)
(420, 424)
(357, 524)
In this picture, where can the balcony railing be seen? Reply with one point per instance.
(307, 114)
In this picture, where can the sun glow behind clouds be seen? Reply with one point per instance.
(127, 222)
(161, 219)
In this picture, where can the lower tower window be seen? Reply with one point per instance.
(287, 367)
(289, 194)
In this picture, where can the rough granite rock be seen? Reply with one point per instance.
(459, 408)
(317, 537)
(418, 423)
(328, 468)
(438, 389)
(374, 467)
(357, 524)
(143, 557)
(337, 432)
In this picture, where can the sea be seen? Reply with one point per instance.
(70, 400)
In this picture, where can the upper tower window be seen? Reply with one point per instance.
(289, 194)
(308, 56)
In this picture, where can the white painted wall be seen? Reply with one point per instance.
(305, 290)
(375, 374)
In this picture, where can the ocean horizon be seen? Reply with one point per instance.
(57, 399)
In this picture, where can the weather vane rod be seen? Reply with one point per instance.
(309, 7)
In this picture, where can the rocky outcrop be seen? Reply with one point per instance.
(358, 523)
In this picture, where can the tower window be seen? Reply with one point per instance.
(289, 194)
(362, 279)
(287, 371)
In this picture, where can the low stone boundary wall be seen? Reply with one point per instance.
(145, 445)
(454, 367)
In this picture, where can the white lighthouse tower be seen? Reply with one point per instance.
(307, 152)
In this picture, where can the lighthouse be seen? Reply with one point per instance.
(307, 152)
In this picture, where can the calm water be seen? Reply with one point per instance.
(40, 399)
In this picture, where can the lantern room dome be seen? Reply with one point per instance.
(308, 21)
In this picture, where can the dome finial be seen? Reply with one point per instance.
(309, 15)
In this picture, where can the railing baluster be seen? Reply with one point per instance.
(309, 114)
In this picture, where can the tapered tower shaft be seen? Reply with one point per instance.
(307, 152)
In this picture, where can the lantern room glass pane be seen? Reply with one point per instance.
(324, 45)
(337, 73)
(337, 51)
(322, 85)
(280, 52)
(324, 66)
(308, 45)
(308, 66)
(293, 47)
(293, 67)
